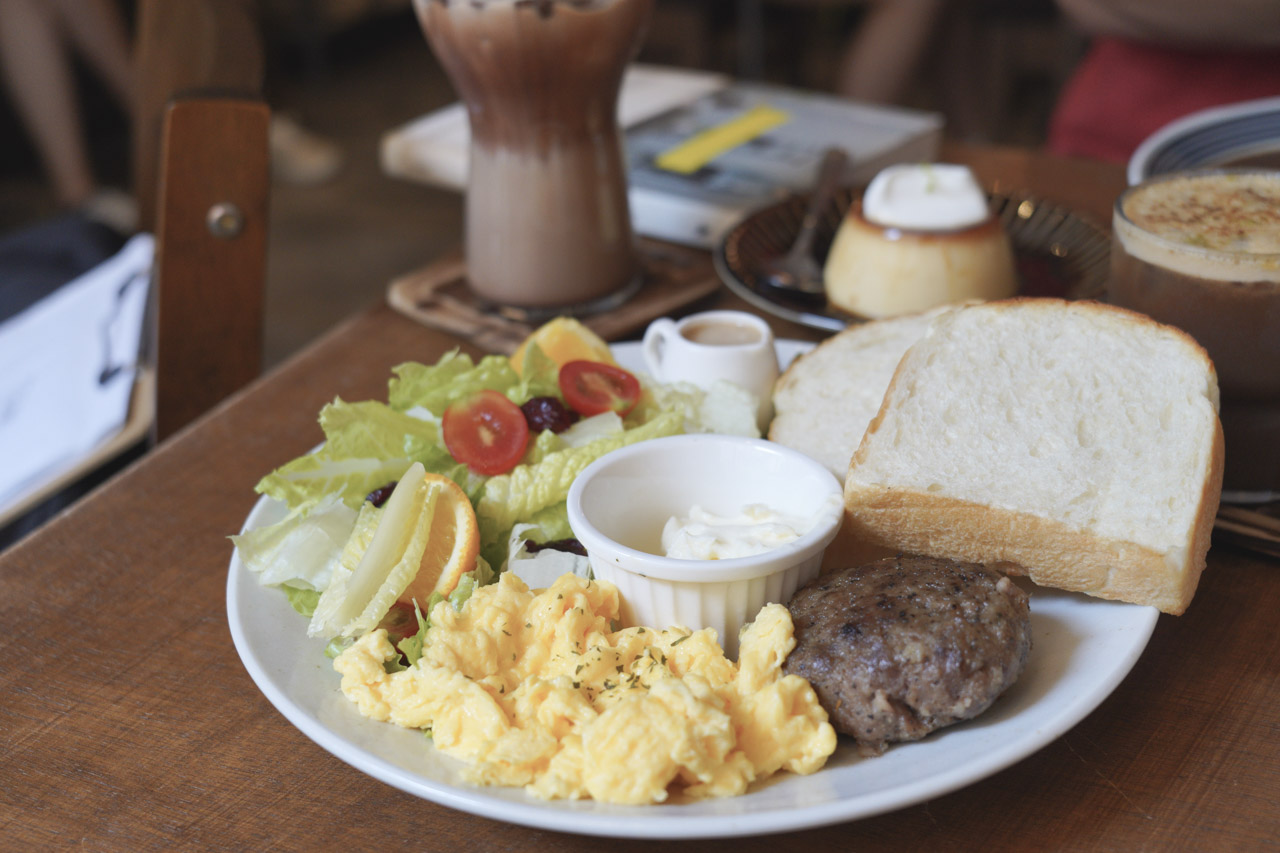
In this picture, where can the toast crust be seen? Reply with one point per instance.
(1049, 552)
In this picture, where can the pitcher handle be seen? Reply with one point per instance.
(654, 344)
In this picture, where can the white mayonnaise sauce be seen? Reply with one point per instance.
(925, 197)
(705, 536)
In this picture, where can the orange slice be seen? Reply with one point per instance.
(563, 340)
(453, 543)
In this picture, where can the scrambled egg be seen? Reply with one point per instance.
(536, 690)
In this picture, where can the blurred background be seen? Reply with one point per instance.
(344, 72)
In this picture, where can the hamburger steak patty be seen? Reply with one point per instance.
(905, 645)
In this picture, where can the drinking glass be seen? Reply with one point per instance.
(547, 219)
(1200, 250)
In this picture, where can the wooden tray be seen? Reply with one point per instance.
(437, 295)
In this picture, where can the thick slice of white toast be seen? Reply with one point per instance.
(825, 400)
(1078, 442)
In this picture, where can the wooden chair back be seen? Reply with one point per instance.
(211, 244)
(201, 176)
(181, 46)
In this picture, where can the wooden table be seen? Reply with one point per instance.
(128, 723)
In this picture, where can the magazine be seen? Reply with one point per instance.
(703, 150)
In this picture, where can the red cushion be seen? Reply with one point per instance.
(1124, 91)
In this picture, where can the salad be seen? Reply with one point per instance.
(460, 475)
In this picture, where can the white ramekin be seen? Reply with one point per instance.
(619, 504)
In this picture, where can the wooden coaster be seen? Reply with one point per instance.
(437, 295)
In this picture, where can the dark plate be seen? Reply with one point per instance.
(1057, 253)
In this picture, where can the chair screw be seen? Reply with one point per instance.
(225, 220)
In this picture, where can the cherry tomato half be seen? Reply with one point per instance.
(486, 432)
(590, 388)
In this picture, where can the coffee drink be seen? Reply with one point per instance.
(721, 333)
(547, 217)
(1201, 251)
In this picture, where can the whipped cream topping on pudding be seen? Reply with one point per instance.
(925, 197)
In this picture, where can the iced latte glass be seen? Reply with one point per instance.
(547, 221)
(1201, 251)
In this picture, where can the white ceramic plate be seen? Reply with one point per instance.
(1082, 648)
(1247, 131)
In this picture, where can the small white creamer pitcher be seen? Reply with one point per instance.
(731, 345)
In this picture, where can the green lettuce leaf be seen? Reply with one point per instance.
(307, 480)
(302, 600)
(585, 431)
(543, 445)
(453, 377)
(411, 646)
(482, 575)
(540, 377)
(528, 489)
(362, 532)
(367, 445)
(543, 526)
(589, 429)
(548, 524)
(541, 569)
(373, 429)
(337, 646)
(301, 550)
(723, 407)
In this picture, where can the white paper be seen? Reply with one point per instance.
(67, 366)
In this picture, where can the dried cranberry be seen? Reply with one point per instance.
(548, 413)
(571, 545)
(379, 496)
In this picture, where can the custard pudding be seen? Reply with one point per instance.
(922, 236)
